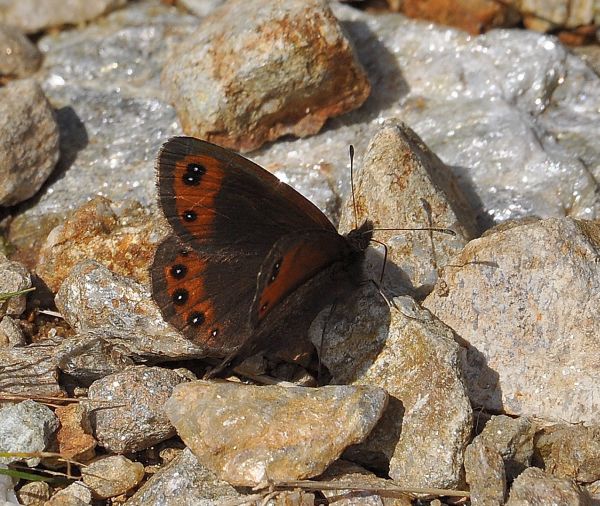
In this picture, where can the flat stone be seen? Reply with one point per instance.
(35, 15)
(413, 356)
(126, 409)
(184, 482)
(515, 292)
(403, 184)
(30, 370)
(485, 474)
(26, 427)
(253, 72)
(97, 302)
(18, 56)
(535, 487)
(249, 434)
(112, 475)
(14, 277)
(28, 141)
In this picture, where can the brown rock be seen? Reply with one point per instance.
(254, 71)
(18, 56)
(34, 493)
(534, 487)
(571, 451)
(125, 243)
(112, 476)
(249, 434)
(473, 16)
(74, 434)
(485, 474)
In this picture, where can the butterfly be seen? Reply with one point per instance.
(250, 262)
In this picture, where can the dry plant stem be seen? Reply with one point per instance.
(49, 401)
(384, 491)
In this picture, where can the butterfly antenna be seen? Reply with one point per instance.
(427, 229)
(352, 185)
(385, 255)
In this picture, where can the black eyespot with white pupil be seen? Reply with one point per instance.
(193, 174)
(275, 272)
(189, 216)
(180, 296)
(195, 319)
(214, 332)
(178, 271)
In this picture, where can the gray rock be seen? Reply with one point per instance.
(30, 370)
(18, 56)
(184, 482)
(87, 298)
(34, 15)
(534, 487)
(29, 141)
(88, 358)
(200, 7)
(250, 434)
(7, 489)
(14, 277)
(403, 184)
(515, 292)
(11, 333)
(112, 475)
(26, 427)
(134, 418)
(253, 72)
(413, 356)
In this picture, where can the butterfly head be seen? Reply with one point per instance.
(360, 237)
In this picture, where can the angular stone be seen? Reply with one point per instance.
(18, 56)
(402, 183)
(413, 356)
(534, 487)
(26, 427)
(515, 292)
(249, 434)
(473, 16)
(255, 71)
(124, 243)
(484, 469)
(184, 482)
(36, 15)
(11, 333)
(76, 494)
(96, 301)
(570, 451)
(34, 493)
(126, 409)
(112, 475)
(28, 141)
(29, 370)
(14, 277)
(74, 434)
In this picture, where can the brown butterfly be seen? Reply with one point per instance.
(251, 261)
